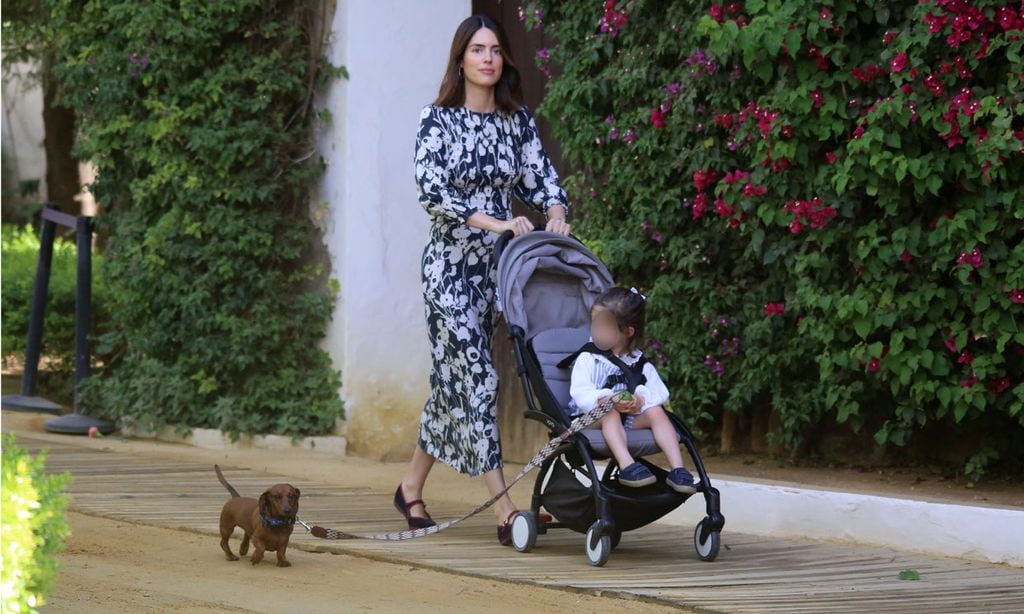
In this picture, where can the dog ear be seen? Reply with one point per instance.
(264, 502)
(297, 492)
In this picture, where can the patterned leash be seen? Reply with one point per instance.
(546, 452)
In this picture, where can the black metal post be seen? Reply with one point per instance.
(37, 312)
(79, 423)
(33, 347)
(83, 302)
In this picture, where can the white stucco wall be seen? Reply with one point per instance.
(395, 52)
(24, 157)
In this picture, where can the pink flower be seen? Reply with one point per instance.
(656, 237)
(658, 117)
(889, 37)
(899, 62)
(824, 14)
(734, 177)
(774, 309)
(1017, 296)
(965, 358)
(951, 344)
(873, 365)
(830, 156)
(975, 259)
(906, 256)
(750, 190)
(858, 132)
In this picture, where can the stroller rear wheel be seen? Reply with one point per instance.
(598, 546)
(524, 531)
(707, 542)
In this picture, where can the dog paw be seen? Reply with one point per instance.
(232, 558)
(283, 564)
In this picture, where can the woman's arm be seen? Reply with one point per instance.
(518, 225)
(437, 195)
(539, 186)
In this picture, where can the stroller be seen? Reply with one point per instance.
(547, 284)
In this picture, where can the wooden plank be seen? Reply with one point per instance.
(752, 574)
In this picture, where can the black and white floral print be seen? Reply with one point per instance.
(468, 162)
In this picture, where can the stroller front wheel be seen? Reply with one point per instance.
(707, 545)
(598, 546)
(524, 531)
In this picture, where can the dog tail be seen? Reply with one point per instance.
(220, 476)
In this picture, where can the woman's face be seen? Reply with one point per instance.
(483, 61)
(604, 330)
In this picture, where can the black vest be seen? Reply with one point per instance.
(630, 375)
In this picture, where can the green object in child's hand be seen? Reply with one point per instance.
(625, 395)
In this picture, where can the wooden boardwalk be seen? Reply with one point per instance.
(658, 563)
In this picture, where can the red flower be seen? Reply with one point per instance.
(934, 85)
(700, 205)
(734, 177)
(858, 132)
(965, 358)
(750, 190)
(899, 62)
(975, 259)
(1000, 385)
(723, 208)
(906, 256)
(717, 12)
(817, 99)
(774, 309)
(889, 37)
(809, 211)
(873, 365)
(658, 117)
(968, 383)
(830, 156)
(1017, 296)
(703, 179)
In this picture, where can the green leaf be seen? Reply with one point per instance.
(863, 327)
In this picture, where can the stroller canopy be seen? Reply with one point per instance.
(547, 280)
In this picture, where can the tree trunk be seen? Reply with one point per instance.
(62, 180)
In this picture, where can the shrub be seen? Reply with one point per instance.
(199, 117)
(34, 527)
(823, 198)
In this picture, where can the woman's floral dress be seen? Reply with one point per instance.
(468, 162)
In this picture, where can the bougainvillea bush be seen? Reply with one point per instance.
(825, 200)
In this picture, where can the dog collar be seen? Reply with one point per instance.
(276, 522)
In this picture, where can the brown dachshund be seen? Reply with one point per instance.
(268, 520)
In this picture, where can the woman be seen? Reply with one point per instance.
(477, 146)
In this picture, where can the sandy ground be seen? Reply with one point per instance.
(112, 566)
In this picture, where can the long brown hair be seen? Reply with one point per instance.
(508, 91)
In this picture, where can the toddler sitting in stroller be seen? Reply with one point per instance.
(617, 334)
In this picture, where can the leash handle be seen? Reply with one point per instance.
(546, 452)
